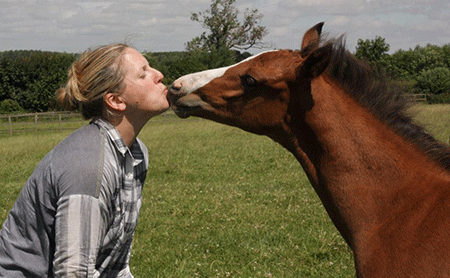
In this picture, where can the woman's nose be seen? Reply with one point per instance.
(158, 76)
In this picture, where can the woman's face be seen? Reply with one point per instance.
(144, 94)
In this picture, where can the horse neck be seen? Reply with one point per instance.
(358, 165)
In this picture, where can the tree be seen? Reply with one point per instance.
(225, 30)
(31, 77)
(9, 106)
(435, 83)
(372, 50)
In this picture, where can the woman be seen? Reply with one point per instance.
(77, 214)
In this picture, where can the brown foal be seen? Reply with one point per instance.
(383, 180)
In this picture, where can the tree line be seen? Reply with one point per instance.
(29, 79)
(420, 70)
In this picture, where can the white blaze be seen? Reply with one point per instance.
(194, 81)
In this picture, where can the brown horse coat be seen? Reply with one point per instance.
(383, 180)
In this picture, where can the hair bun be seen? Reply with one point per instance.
(65, 100)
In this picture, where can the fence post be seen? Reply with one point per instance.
(10, 125)
(60, 120)
(36, 121)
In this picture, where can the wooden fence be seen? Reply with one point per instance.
(40, 121)
(53, 121)
(416, 97)
(58, 121)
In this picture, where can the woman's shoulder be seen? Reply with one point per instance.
(87, 137)
(77, 160)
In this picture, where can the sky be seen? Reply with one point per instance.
(165, 25)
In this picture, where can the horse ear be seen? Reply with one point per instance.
(311, 39)
(316, 62)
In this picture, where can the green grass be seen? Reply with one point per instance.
(218, 202)
(435, 118)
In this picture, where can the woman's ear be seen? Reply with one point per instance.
(114, 102)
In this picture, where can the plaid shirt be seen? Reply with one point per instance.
(86, 196)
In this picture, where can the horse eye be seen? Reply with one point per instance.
(249, 81)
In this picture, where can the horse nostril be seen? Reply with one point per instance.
(177, 84)
(173, 89)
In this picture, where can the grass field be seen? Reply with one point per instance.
(218, 202)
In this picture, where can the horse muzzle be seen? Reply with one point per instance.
(185, 104)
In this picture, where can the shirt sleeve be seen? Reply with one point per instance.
(80, 225)
(125, 273)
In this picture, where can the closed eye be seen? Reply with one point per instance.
(248, 81)
(144, 71)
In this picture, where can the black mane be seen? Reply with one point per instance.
(388, 105)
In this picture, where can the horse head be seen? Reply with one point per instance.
(255, 94)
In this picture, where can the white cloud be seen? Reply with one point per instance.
(165, 25)
(91, 5)
(341, 20)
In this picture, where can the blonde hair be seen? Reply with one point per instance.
(90, 77)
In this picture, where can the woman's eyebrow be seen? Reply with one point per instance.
(141, 69)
